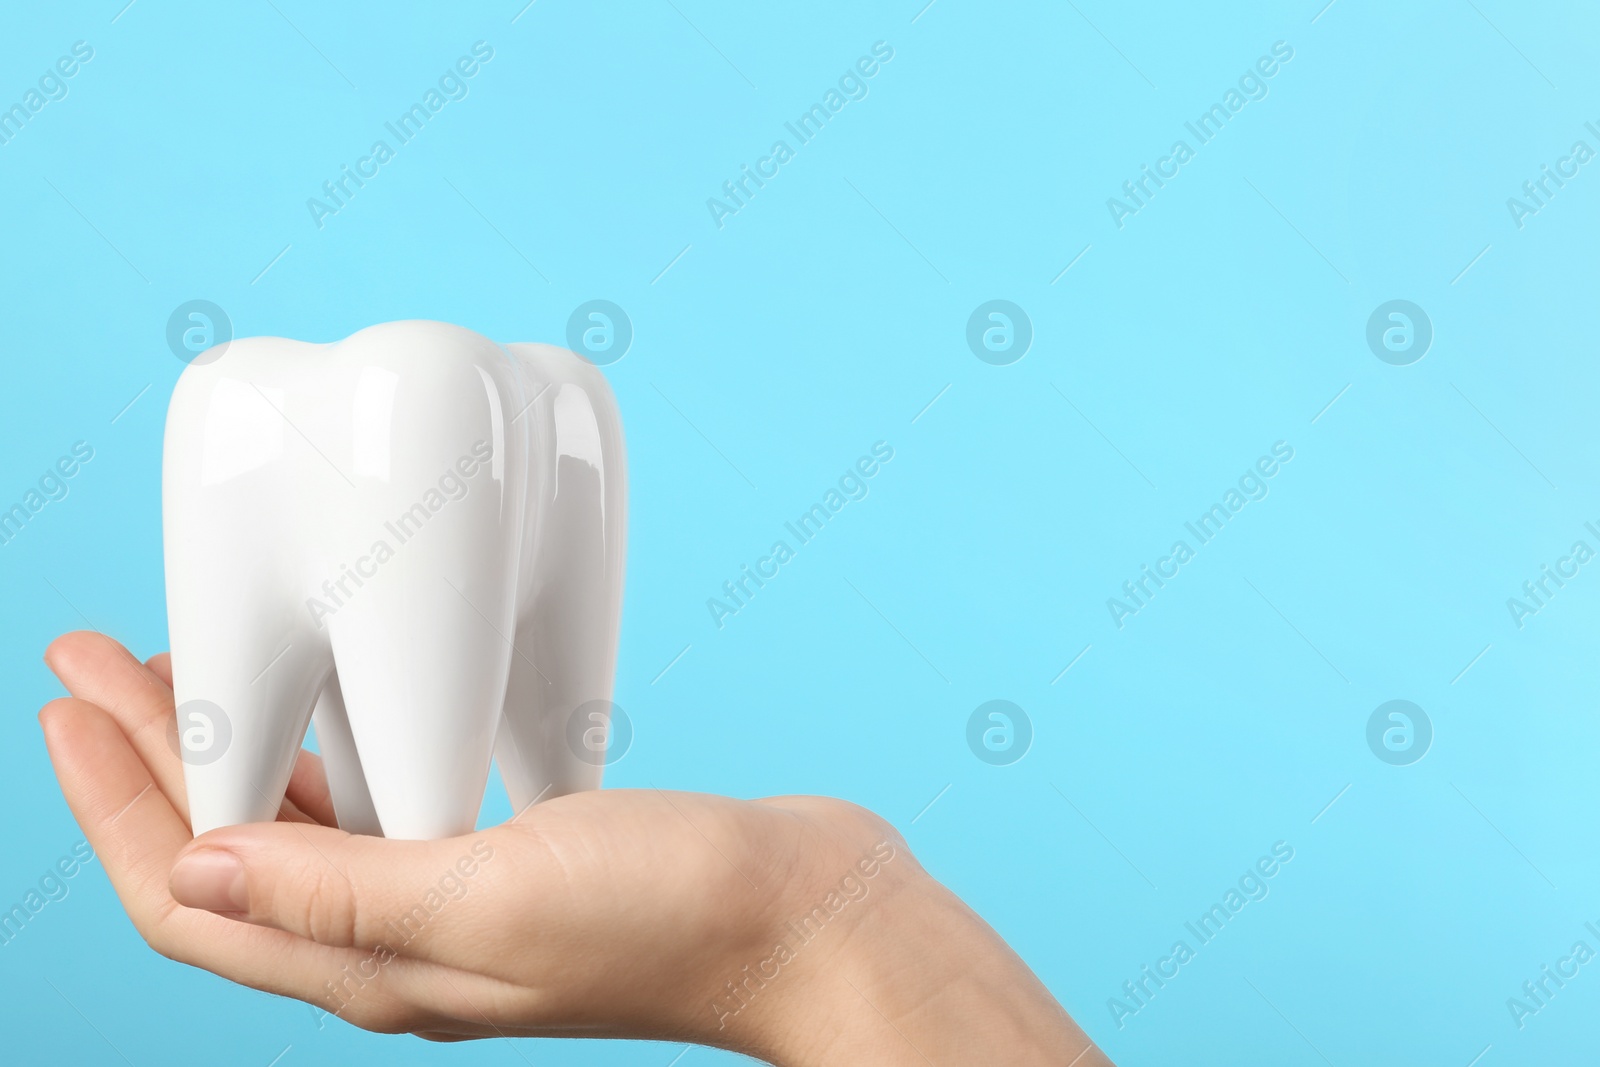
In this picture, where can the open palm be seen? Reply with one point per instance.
(609, 913)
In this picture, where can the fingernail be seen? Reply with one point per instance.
(211, 880)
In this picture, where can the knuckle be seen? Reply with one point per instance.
(160, 943)
(157, 933)
(388, 1017)
(325, 904)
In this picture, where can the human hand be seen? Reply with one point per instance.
(796, 929)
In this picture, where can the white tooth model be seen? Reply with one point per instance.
(366, 528)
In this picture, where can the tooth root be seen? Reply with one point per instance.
(520, 773)
(246, 662)
(572, 583)
(534, 750)
(243, 703)
(421, 679)
(347, 782)
(422, 644)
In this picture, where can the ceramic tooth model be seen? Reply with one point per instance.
(418, 534)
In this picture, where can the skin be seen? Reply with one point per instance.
(616, 913)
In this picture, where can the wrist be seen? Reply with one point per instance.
(864, 957)
(786, 981)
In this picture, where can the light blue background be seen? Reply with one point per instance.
(1223, 317)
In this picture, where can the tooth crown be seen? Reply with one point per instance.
(417, 533)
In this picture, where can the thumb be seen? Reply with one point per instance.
(424, 899)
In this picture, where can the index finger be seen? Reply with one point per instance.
(136, 833)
